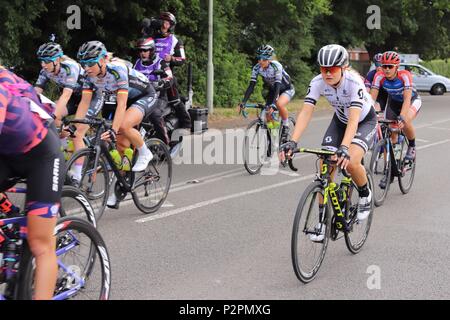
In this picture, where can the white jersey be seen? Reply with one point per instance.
(351, 93)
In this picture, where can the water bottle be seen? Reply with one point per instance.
(117, 158)
(69, 148)
(398, 149)
(127, 158)
(10, 258)
(276, 119)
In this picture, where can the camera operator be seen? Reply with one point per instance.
(170, 49)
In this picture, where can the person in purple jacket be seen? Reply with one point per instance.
(170, 49)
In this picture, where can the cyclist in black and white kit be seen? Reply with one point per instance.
(281, 89)
(66, 73)
(135, 99)
(351, 130)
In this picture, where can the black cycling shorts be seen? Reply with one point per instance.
(43, 168)
(394, 108)
(364, 136)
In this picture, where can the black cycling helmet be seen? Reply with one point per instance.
(265, 52)
(169, 17)
(332, 55)
(91, 50)
(147, 44)
(49, 51)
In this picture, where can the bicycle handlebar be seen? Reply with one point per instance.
(320, 153)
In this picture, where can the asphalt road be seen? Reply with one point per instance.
(228, 236)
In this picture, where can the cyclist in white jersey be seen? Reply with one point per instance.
(136, 98)
(66, 73)
(353, 125)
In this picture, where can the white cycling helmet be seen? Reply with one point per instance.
(332, 55)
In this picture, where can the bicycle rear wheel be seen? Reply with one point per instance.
(255, 149)
(407, 169)
(359, 230)
(84, 271)
(307, 256)
(94, 181)
(380, 167)
(151, 186)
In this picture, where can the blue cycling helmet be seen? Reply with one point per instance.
(91, 50)
(49, 51)
(265, 52)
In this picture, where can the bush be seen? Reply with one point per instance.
(441, 67)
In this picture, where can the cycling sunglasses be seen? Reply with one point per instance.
(89, 63)
(263, 57)
(388, 66)
(48, 60)
(330, 69)
(144, 50)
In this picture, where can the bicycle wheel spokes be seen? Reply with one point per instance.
(79, 276)
(359, 230)
(151, 186)
(407, 170)
(380, 166)
(83, 263)
(255, 148)
(307, 255)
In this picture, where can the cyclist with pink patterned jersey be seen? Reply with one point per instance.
(403, 100)
(30, 149)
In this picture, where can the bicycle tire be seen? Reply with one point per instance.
(306, 276)
(379, 194)
(152, 176)
(65, 230)
(98, 199)
(85, 209)
(247, 162)
(353, 245)
(406, 166)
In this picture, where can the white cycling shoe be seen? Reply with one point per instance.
(142, 161)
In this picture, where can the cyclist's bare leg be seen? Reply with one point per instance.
(282, 102)
(408, 129)
(355, 168)
(42, 244)
(79, 135)
(133, 117)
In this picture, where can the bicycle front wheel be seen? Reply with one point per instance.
(380, 167)
(84, 271)
(94, 181)
(152, 185)
(359, 230)
(407, 169)
(307, 255)
(74, 203)
(256, 147)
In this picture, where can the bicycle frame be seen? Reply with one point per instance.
(330, 193)
(330, 187)
(10, 272)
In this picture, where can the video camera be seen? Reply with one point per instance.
(151, 27)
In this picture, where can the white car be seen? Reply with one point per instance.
(426, 80)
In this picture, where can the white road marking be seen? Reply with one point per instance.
(221, 199)
(439, 128)
(433, 144)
